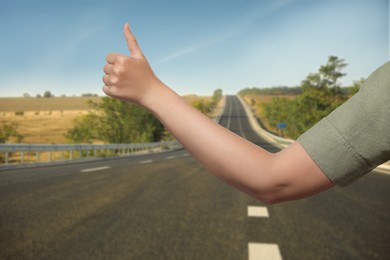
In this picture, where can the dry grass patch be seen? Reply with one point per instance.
(45, 104)
(45, 127)
(43, 120)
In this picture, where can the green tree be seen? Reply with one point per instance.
(217, 95)
(48, 94)
(320, 95)
(115, 121)
(278, 111)
(85, 129)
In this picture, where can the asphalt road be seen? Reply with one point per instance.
(167, 206)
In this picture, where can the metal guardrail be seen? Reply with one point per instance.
(32, 153)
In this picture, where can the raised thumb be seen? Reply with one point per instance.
(132, 44)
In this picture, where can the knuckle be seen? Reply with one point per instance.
(114, 80)
(116, 70)
(119, 60)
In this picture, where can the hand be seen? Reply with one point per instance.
(129, 78)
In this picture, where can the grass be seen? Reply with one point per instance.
(45, 104)
(45, 127)
(43, 120)
(46, 120)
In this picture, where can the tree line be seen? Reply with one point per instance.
(320, 93)
(48, 94)
(271, 91)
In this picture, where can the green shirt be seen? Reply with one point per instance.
(355, 137)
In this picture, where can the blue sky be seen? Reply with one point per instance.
(195, 46)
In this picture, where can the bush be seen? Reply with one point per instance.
(19, 113)
(115, 121)
(8, 131)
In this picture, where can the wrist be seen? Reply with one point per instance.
(157, 97)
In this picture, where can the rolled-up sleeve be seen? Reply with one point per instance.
(355, 137)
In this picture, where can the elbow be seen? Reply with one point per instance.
(275, 190)
(270, 196)
(269, 199)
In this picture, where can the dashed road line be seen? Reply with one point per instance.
(259, 212)
(185, 154)
(171, 157)
(95, 169)
(145, 161)
(260, 251)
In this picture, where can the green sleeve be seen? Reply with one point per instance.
(355, 137)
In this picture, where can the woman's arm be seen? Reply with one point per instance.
(289, 174)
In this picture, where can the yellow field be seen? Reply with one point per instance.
(45, 104)
(46, 120)
(43, 120)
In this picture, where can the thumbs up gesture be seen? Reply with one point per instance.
(129, 77)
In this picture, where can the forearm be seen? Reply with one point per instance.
(225, 154)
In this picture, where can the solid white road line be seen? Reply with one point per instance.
(259, 212)
(146, 161)
(262, 251)
(96, 169)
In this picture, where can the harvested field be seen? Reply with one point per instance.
(45, 104)
(46, 120)
(43, 120)
(44, 127)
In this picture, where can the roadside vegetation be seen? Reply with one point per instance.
(301, 107)
(115, 121)
(9, 132)
(207, 105)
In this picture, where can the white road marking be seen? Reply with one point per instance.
(185, 154)
(171, 157)
(146, 161)
(262, 251)
(259, 212)
(95, 169)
